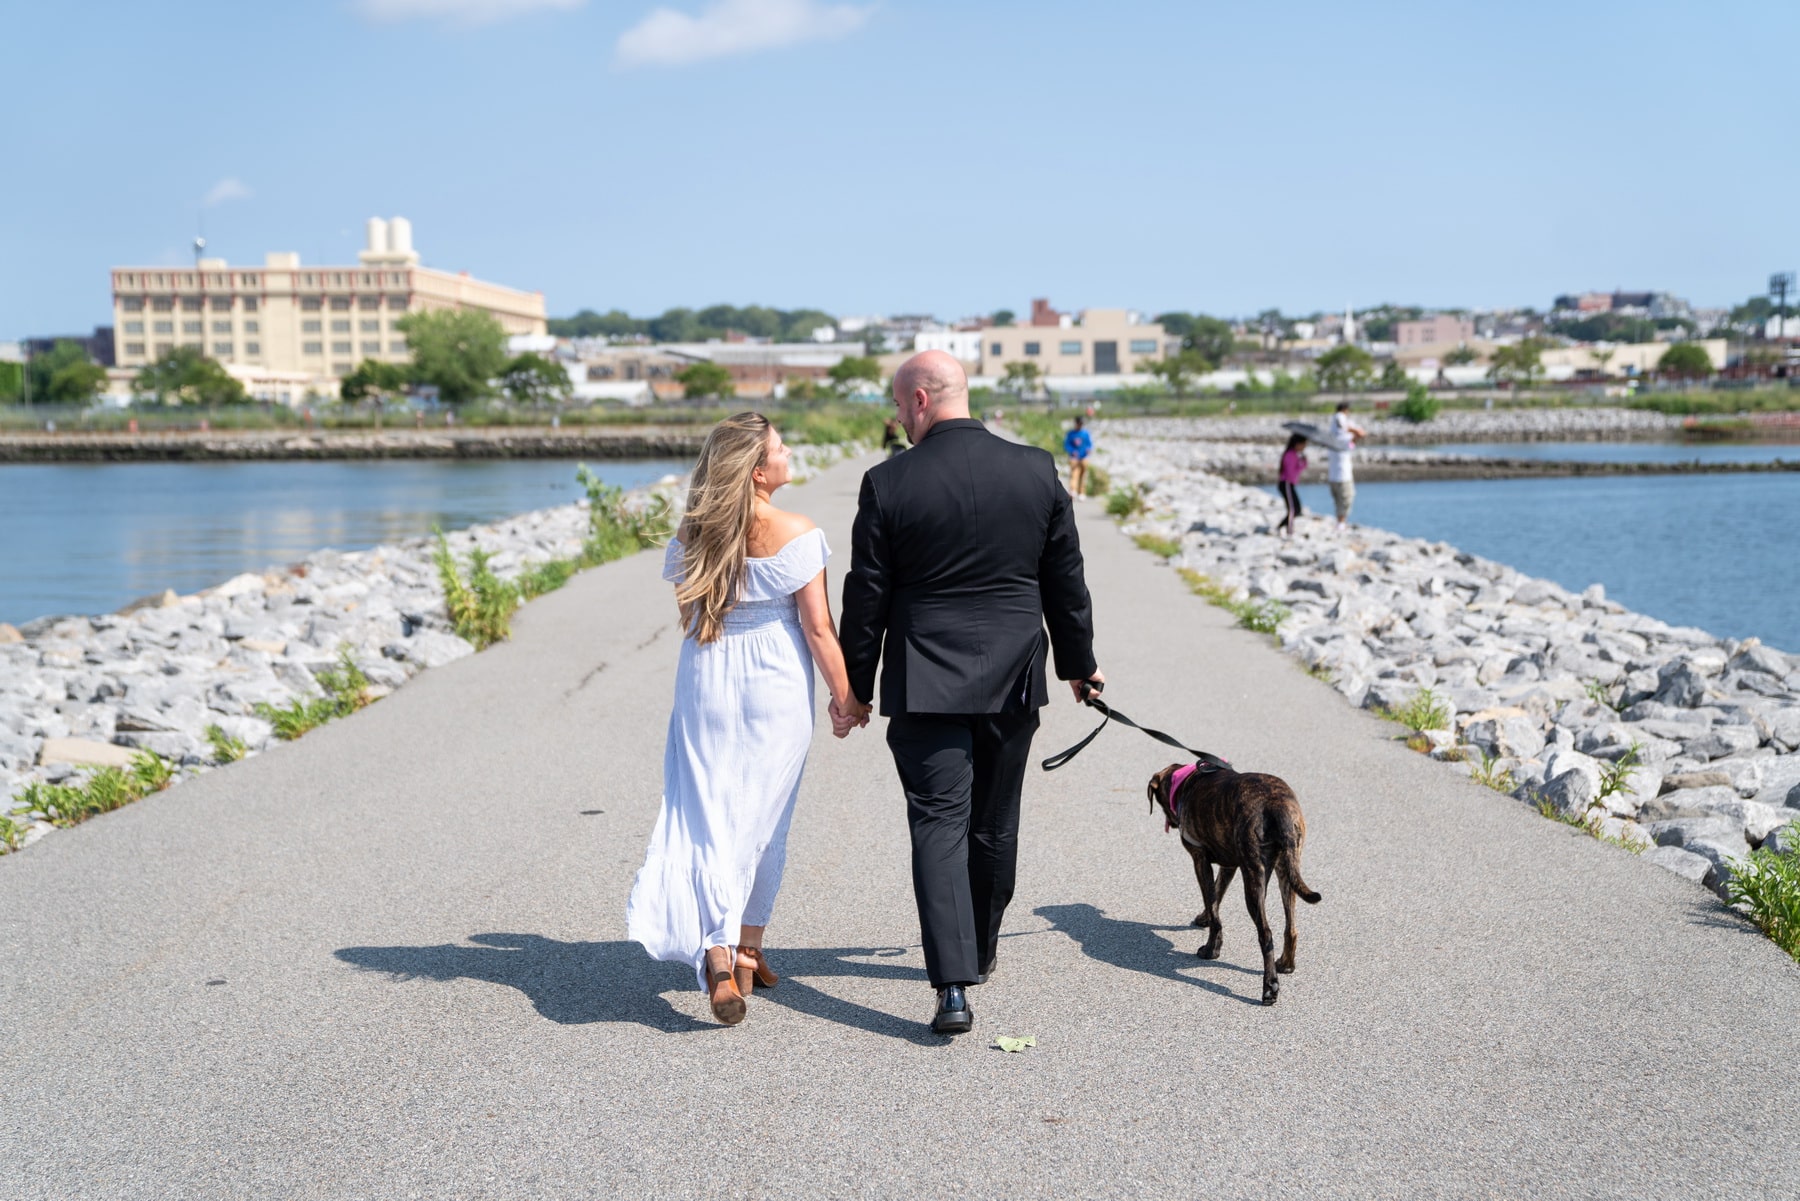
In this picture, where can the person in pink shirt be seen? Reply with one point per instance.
(1293, 462)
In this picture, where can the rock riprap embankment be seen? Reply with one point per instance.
(84, 692)
(1548, 687)
(1575, 424)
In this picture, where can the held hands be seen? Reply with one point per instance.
(851, 715)
(1097, 681)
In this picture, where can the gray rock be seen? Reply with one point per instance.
(1721, 741)
(1689, 802)
(1696, 779)
(1784, 840)
(428, 648)
(1725, 859)
(1677, 831)
(1784, 727)
(1681, 684)
(1682, 863)
(1509, 735)
(1570, 794)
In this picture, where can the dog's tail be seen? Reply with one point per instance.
(1289, 865)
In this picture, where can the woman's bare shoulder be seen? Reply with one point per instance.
(778, 529)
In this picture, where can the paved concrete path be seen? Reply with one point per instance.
(389, 961)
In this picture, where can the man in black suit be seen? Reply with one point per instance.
(964, 549)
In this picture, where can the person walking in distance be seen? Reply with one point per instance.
(963, 551)
(1293, 463)
(1340, 473)
(1078, 444)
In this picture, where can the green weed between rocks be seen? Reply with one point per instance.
(480, 606)
(1262, 616)
(1156, 544)
(103, 791)
(1616, 777)
(346, 690)
(1097, 482)
(1768, 885)
(1600, 694)
(1424, 710)
(1125, 502)
(11, 834)
(1484, 769)
(225, 748)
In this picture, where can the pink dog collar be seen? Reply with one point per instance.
(1175, 783)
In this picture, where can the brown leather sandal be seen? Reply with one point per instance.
(727, 1002)
(753, 969)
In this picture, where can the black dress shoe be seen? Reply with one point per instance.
(987, 969)
(953, 1013)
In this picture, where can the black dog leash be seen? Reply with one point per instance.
(1090, 696)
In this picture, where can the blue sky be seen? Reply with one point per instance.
(907, 155)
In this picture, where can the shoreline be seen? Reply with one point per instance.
(234, 446)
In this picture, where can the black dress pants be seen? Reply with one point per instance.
(962, 776)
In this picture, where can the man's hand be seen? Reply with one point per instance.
(852, 715)
(1079, 687)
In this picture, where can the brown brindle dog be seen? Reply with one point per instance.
(1241, 822)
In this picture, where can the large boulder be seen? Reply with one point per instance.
(1784, 727)
(1679, 831)
(1721, 741)
(1681, 684)
(1508, 733)
(1689, 802)
(1683, 863)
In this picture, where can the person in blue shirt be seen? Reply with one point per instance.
(1078, 444)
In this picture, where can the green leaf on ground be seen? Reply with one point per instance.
(1008, 1043)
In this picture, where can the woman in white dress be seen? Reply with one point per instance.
(750, 583)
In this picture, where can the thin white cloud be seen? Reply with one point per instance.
(725, 27)
(457, 12)
(229, 188)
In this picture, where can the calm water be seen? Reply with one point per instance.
(87, 538)
(1721, 552)
(1626, 452)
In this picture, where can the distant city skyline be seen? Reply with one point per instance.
(913, 157)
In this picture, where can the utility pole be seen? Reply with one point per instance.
(1780, 284)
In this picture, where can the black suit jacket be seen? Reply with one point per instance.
(964, 548)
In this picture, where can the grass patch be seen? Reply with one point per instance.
(11, 833)
(481, 604)
(1616, 777)
(1424, 710)
(540, 578)
(103, 791)
(1097, 482)
(225, 748)
(616, 530)
(1768, 885)
(1263, 616)
(1600, 694)
(346, 691)
(1125, 502)
(1484, 769)
(1156, 544)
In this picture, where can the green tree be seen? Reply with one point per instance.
(1461, 356)
(675, 325)
(1393, 376)
(185, 376)
(532, 379)
(1755, 311)
(1021, 378)
(850, 370)
(374, 380)
(1345, 368)
(1176, 324)
(798, 326)
(1519, 363)
(704, 379)
(1210, 338)
(616, 323)
(1419, 404)
(65, 376)
(1179, 370)
(457, 351)
(12, 382)
(1685, 360)
(1004, 317)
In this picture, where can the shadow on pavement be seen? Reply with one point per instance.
(1142, 947)
(569, 982)
(573, 983)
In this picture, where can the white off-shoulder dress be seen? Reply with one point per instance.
(738, 737)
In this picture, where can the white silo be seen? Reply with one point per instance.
(400, 236)
(378, 236)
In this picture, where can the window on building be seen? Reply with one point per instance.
(221, 304)
(398, 346)
(369, 326)
(249, 304)
(340, 369)
(253, 348)
(1032, 348)
(1143, 346)
(395, 277)
(222, 350)
(163, 348)
(309, 280)
(134, 327)
(368, 302)
(312, 327)
(221, 327)
(340, 326)
(996, 348)
(394, 326)
(340, 348)
(371, 348)
(340, 304)
(190, 304)
(162, 304)
(252, 327)
(164, 327)
(193, 327)
(133, 304)
(310, 304)
(133, 349)
(249, 281)
(337, 279)
(312, 348)
(1070, 348)
(396, 302)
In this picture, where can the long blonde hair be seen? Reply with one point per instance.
(715, 533)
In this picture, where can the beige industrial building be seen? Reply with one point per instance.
(288, 320)
(1101, 342)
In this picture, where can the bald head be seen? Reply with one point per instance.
(930, 387)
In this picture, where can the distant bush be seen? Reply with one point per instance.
(1419, 406)
(1123, 502)
(481, 606)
